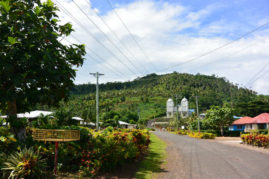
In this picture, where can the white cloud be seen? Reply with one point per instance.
(157, 27)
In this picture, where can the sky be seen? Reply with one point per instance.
(127, 39)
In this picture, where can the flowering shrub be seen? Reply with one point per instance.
(108, 149)
(182, 132)
(94, 152)
(201, 135)
(255, 139)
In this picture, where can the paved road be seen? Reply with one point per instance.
(205, 159)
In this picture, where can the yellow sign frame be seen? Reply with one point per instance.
(55, 135)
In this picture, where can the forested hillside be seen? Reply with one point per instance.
(146, 97)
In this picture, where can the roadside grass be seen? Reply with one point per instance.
(152, 164)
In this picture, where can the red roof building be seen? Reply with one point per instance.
(261, 119)
(243, 120)
(247, 123)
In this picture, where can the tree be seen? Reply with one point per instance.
(219, 117)
(35, 66)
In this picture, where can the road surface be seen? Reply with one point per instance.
(190, 158)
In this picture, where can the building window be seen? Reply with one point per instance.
(261, 126)
(239, 127)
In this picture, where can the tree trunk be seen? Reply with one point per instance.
(19, 131)
(221, 131)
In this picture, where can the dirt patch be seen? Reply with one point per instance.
(228, 138)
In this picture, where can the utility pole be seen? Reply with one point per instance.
(138, 113)
(97, 74)
(198, 116)
(177, 111)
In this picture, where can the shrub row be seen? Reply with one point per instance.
(95, 152)
(259, 140)
(201, 135)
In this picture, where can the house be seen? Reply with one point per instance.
(30, 116)
(126, 125)
(259, 122)
(239, 124)
(247, 123)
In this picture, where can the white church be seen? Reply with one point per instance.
(183, 108)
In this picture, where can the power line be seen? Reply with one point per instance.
(260, 76)
(117, 37)
(105, 35)
(254, 77)
(125, 26)
(90, 33)
(218, 48)
(98, 57)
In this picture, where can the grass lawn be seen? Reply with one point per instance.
(153, 162)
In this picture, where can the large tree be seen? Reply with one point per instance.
(219, 117)
(35, 66)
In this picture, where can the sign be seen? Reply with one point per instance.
(55, 135)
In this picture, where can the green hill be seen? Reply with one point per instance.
(146, 97)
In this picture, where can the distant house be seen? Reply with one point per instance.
(259, 122)
(30, 115)
(247, 123)
(126, 125)
(239, 124)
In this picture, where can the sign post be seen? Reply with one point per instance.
(55, 135)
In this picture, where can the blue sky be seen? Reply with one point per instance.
(170, 33)
(245, 14)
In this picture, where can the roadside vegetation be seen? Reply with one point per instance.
(256, 138)
(154, 161)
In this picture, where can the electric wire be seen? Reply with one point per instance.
(125, 26)
(259, 77)
(105, 35)
(256, 76)
(216, 49)
(97, 59)
(90, 33)
(117, 38)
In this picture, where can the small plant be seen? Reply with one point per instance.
(26, 163)
(202, 135)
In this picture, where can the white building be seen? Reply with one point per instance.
(170, 109)
(183, 108)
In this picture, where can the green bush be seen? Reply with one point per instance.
(109, 149)
(8, 143)
(208, 136)
(182, 132)
(202, 135)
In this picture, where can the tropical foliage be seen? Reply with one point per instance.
(26, 163)
(35, 66)
(147, 96)
(219, 117)
(256, 139)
